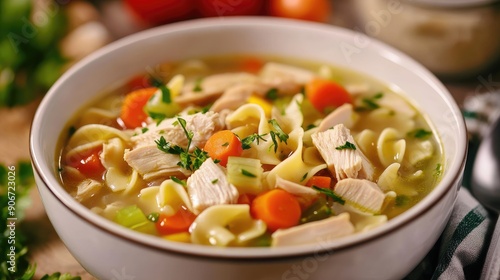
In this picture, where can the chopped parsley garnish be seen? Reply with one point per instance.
(248, 174)
(71, 131)
(310, 126)
(158, 117)
(304, 177)
(214, 181)
(247, 141)
(278, 134)
(370, 103)
(197, 85)
(167, 147)
(347, 146)
(330, 194)
(401, 200)
(272, 94)
(178, 181)
(225, 144)
(216, 161)
(156, 81)
(153, 217)
(202, 110)
(438, 170)
(165, 94)
(420, 133)
(190, 161)
(144, 129)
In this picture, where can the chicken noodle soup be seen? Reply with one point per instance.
(250, 151)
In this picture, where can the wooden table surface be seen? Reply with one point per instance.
(46, 249)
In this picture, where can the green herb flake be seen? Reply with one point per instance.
(156, 81)
(401, 200)
(216, 161)
(71, 131)
(165, 94)
(214, 181)
(277, 134)
(197, 85)
(438, 170)
(330, 194)
(248, 174)
(144, 129)
(304, 177)
(178, 181)
(370, 103)
(272, 94)
(153, 217)
(310, 126)
(158, 117)
(347, 146)
(225, 144)
(247, 141)
(167, 147)
(420, 133)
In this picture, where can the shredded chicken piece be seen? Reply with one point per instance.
(362, 194)
(237, 95)
(342, 115)
(305, 195)
(87, 188)
(202, 126)
(342, 162)
(208, 186)
(323, 230)
(153, 163)
(211, 87)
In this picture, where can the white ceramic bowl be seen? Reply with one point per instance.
(110, 251)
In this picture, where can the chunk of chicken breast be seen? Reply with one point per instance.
(341, 154)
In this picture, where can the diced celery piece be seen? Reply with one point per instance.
(319, 210)
(133, 218)
(156, 104)
(245, 174)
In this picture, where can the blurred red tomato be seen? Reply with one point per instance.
(313, 10)
(219, 8)
(156, 12)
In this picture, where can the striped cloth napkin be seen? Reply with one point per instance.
(462, 250)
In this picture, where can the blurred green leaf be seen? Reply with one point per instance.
(12, 13)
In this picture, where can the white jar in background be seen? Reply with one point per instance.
(453, 38)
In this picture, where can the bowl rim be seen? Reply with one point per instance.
(54, 186)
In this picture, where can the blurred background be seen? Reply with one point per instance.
(459, 41)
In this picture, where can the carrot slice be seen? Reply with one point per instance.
(320, 182)
(326, 95)
(277, 208)
(132, 112)
(177, 223)
(138, 82)
(251, 64)
(89, 163)
(223, 144)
